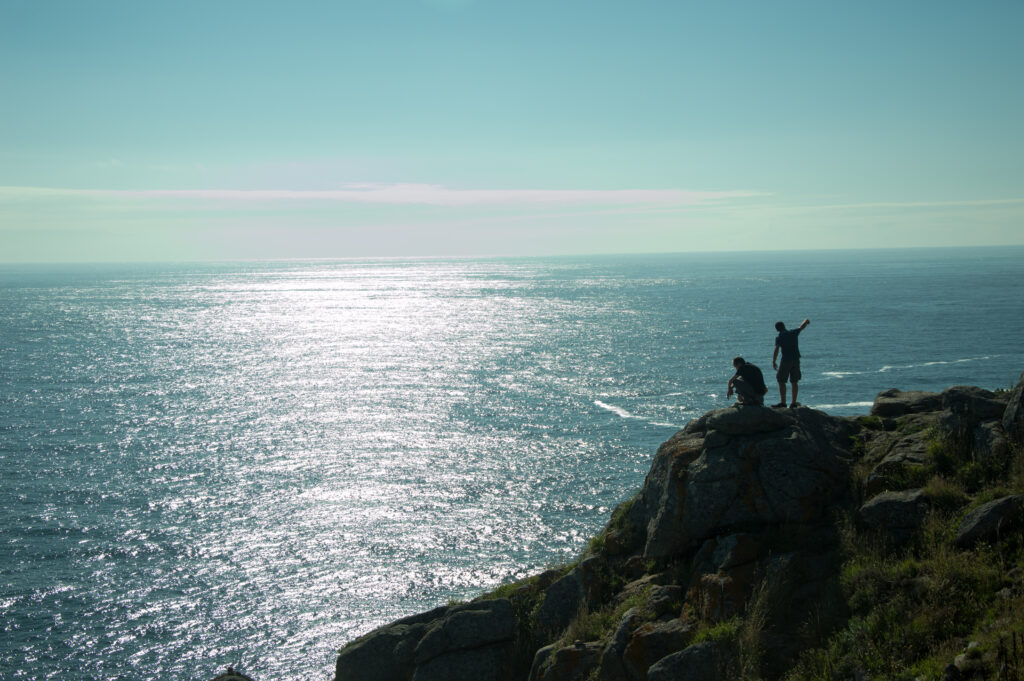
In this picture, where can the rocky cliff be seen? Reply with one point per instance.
(769, 543)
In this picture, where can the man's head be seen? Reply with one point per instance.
(738, 362)
(779, 326)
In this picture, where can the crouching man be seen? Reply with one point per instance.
(747, 383)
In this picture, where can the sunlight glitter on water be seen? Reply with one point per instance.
(365, 401)
(252, 464)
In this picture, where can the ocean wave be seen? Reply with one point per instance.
(889, 367)
(626, 414)
(842, 374)
(846, 405)
(619, 411)
(960, 361)
(938, 362)
(896, 367)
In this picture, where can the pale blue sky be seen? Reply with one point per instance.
(134, 130)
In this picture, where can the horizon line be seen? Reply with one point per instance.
(598, 254)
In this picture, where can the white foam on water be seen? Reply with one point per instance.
(619, 411)
(939, 362)
(842, 374)
(842, 406)
(893, 367)
(959, 361)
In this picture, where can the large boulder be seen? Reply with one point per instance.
(976, 403)
(965, 407)
(748, 420)
(706, 661)
(663, 490)
(893, 402)
(541, 661)
(739, 477)
(992, 520)
(895, 513)
(568, 663)
(612, 666)
(466, 642)
(473, 626)
(1013, 415)
(562, 601)
(653, 641)
(664, 599)
(567, 595)
(385, 654)
(900, 452)
(990, 440)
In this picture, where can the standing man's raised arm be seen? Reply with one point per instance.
(803, 325)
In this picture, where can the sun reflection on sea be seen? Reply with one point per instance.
(251, 464)
(318, 451)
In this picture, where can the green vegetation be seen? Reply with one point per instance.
(617, 525)
(725, 632)
(909, 610)
(871, 422)
(600, 624)
(894, 610)
(944, 494)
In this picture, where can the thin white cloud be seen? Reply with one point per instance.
(410, 194)
(920, 204)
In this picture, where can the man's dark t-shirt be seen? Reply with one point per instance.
(787, 342)
(752, 375)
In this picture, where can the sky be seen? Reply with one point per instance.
(239, 129)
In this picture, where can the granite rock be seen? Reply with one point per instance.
(989, 521)
(894, 402)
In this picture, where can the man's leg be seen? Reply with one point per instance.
(794, 378)
(795, 388)
(782, 393)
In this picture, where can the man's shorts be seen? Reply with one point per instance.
(789, 370)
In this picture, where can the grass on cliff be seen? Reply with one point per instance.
(595, 625)
(911, 608)
(902, 611)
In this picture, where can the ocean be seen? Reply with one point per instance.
(250, 464)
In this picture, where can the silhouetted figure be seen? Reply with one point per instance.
(748, 383)
(789, 368)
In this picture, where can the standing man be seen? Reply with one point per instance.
(748, 382)
(789, 369)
